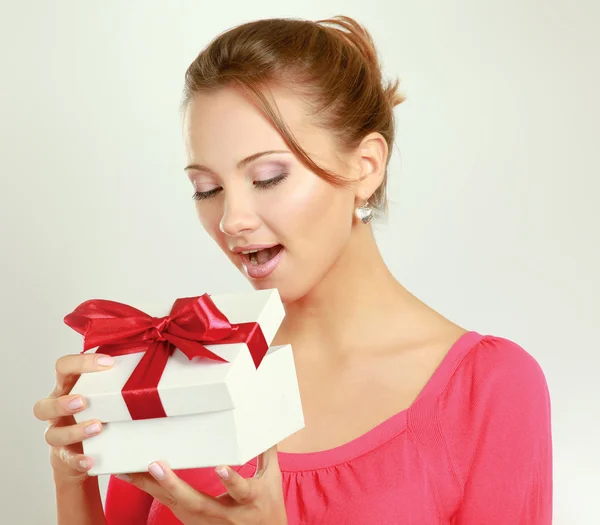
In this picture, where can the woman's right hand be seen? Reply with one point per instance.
(64, 435)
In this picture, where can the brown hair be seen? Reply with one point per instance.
(332, 63)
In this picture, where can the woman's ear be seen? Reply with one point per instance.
(372, 154)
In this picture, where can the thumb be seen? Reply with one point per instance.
(237, 486)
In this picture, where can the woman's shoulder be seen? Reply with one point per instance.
(491, 372)
(487, 404)
(494, 411)
(496, 360)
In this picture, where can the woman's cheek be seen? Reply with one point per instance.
(303, 199)
(287, 219)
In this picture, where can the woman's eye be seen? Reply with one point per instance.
(201, 195)
(271, 182)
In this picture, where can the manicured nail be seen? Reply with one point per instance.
(94, 428)
(156, 470)
(84, 464)
(76, 403)
(223, 473)
(123, 477)
(105, 360)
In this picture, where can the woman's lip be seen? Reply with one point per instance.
(240, 249)
(262, 270)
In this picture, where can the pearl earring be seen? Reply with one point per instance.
(364, 213)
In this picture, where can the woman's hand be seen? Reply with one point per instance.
(255, 501)
(63, 435)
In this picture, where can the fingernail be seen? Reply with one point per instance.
(76, 403)
(223, 473)
(94, 428)
(156, 470)
(123, 477)
(105, 360)
(84, 464)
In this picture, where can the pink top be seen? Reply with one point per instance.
(474, 448)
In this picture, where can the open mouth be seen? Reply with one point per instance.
(260, 263)
(260, 257)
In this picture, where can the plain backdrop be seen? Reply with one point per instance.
(494, 189)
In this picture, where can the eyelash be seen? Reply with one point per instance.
(263, 184)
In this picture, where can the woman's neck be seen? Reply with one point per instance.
(353, 305)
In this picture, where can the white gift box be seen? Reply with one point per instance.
(218, 413)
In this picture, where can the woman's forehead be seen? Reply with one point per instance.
(226, 126)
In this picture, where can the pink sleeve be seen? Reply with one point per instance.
(126, 504)
(496, 418)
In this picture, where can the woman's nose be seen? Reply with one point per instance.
(239, 216)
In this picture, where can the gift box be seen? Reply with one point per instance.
(194, 382)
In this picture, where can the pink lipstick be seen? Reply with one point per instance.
(260, 260)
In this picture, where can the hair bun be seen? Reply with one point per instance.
(360, 38)
(393, 95)
(355, 34)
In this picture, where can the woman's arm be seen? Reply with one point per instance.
(79, 503)
(502, 447)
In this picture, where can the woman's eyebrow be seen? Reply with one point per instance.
(242, 163)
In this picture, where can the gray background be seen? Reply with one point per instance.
(494, 190)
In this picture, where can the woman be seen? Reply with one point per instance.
(409, 418)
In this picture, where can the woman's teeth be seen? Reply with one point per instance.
(258, 257)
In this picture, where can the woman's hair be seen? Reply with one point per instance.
(332, 64)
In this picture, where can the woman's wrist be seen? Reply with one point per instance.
(78, 501)
(68, 481)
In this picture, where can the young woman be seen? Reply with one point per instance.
(410, 418)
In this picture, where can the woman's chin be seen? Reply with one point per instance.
(289, 289)
(269, 283)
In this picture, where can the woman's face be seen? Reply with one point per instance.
(280, 224)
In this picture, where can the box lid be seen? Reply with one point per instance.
(188, 386)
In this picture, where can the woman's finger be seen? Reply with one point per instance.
(75, 460)
(180, 496)
(238, 487)
(52, 408)
(57, 436)
(74, 365)
(148, 484)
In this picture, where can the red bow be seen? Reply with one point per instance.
(119, 329)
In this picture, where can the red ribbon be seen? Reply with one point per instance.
(119, 329)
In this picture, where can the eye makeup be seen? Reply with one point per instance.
(266, 176)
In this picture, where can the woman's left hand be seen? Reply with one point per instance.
(252, 501)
